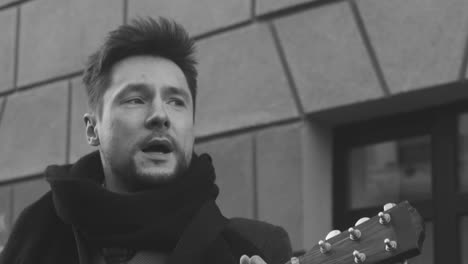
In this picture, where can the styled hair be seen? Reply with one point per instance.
(142, 36)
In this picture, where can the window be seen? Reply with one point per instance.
(393, 170)
(421, 157)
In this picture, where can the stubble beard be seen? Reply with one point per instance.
(155, 176)
(136, 178)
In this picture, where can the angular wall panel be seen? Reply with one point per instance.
(327, 58)
(78, 142)
(56, 37)
(7, 48)
(241, 82)
(5, 214)
(316, 148)
(233, 163)
(419, 43)
(33, 130)
(279, 168)
(196, 16)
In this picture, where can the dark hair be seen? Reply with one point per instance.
(143, 36)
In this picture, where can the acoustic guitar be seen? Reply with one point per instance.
(389, 237)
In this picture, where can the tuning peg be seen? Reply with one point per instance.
(384, 218)
(354, 234)
(324, 246)
(294, 260)
(359, 257)
(390, 245)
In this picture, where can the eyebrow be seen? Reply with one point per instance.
(133, 87)
(143, 88)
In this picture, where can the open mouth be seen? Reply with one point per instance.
(158, 146)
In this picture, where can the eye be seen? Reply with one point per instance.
(176, 102)
(134, 101)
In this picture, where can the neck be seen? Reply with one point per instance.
(111, 182)
(114, 186)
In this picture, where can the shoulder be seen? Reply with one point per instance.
(272, 240)
(255, 229)
(30, 231)
(41, 210)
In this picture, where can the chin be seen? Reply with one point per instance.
(150, 173)
(156, 175)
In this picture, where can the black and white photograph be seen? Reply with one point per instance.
(233, 131)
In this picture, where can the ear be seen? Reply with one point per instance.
(91, 129)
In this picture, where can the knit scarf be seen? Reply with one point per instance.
(149, 220)
(179, 217)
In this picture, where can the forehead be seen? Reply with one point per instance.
(153, 71)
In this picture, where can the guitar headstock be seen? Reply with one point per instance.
(391, 236)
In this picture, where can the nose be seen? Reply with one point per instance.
(157, 118)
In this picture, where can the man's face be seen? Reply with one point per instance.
(146, 129)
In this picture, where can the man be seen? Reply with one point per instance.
(144, 196)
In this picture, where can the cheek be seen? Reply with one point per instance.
(120, 132)
(188, 142)
(189, 139)
(186, 132)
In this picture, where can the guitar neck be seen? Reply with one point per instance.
(394, 235)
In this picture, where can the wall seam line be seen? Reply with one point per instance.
(244, 130)
(30, 86)
(13, 4)
(287, 71)
(20, 179)
(12, 204)
(17, 47)
(370, 49)
(69, 115)
(222, 30)
(303, 175)
(253, 9)
(2, 109)
(255, 177)
(125, 11)
(464, 63)
(295, 9)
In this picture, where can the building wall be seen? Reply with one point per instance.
(275, 77)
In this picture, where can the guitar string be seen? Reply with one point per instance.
(313, 255)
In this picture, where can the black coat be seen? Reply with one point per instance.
(39, 236)
(30, 241)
